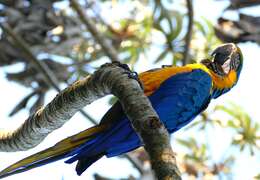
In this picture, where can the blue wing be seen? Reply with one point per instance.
(181, 98)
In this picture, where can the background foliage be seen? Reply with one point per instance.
(139, 31)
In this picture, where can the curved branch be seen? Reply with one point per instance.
(108, 79)
(55, 114)
(48, 75)
(188, 36)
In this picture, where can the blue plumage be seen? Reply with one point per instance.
(178, 100)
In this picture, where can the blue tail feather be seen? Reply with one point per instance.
(120, 138)
(84, 163)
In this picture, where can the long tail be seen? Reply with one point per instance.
(59, 151)
(86, 148)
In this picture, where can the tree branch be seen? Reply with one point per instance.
(109, 50)
(108, 79)
(188, 36)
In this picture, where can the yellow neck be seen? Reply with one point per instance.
(218, 81)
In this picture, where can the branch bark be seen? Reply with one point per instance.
(108, 79)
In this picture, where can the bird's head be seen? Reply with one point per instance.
(224, 59)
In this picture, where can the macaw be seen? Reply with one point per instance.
(178, 94)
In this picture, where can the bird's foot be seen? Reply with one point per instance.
(131, 74)
(165, 66)
(119, 64)
(134, 75)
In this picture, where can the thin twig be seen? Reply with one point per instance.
(50, 78)
(109, 50)
(188, 36)
(135, 161)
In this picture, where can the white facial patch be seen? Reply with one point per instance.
(226, 66)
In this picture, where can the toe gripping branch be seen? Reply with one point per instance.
(131, 74)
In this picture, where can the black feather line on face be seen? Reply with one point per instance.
(213, 66)
(216, 68)
(235, 61)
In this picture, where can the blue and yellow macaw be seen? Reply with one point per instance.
(178, 94)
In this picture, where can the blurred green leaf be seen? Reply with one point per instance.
(197, 152)
(178, 18)
(204, 122)
(200, 27)
(231, 124)
(184, 142)
(161, 56)
(113, 100)
(246, 130)
(257, 177)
